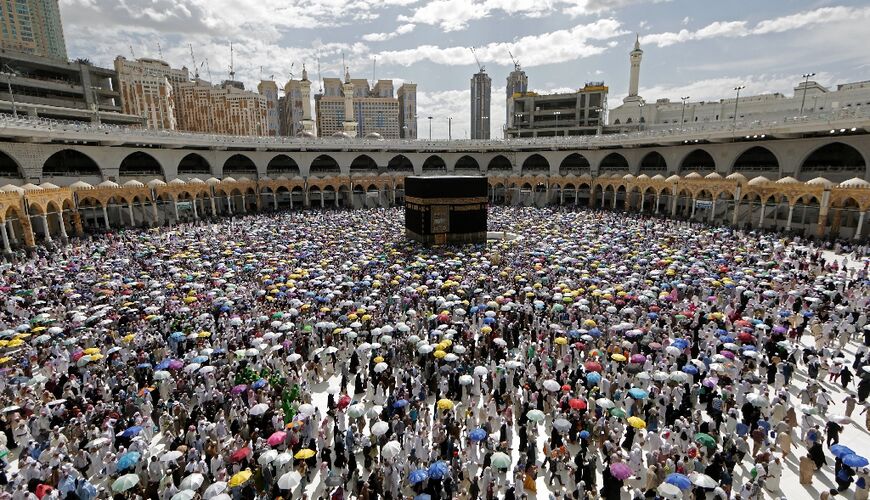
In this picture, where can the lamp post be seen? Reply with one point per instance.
(804, 98)
(449, 128)
(430, 128)
(519, 117)
(597, 109)
(485, 131)
(683, 112)
(736, 101)
(640, 115)
(9, 73)
(556, 115)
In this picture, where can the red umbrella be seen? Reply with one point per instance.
(240, 454)
(42, 490)
(566, 388)
(593, 366)
(343, 402)
(276, 438)
(745, 337)
(577, 404)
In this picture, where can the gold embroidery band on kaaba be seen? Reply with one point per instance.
(446, 201)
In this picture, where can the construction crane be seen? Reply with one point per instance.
(232, 69)
(291, 70)
(514, 60)
(319, 75)
(479, 66)
(193, 60)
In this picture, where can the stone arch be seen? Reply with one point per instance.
(70, 163)
(614, 162)
(833, 160)
(536, 163)
(699, 160)
(9, 167)
(363, 163)
(140, 164)
(324, 165)
(194, 164)
(282, 165)
(400, 163)
(434, 163)
(466, 163)
(575, 163)
(500, 164)
(757, 159)
(239, 165)
(653, 162)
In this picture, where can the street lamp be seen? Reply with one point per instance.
(519, 117)
(556, 114)
(449, 128)
(806, 77)
(597, 109)
(640, 115)
(9, 73)
(683, 112)
(430, 128)
(736, 101)
(485, 131)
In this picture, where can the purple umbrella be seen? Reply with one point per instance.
(175, 364)
(779, 329)
(238, 389)
(638, 358)
(620, 471)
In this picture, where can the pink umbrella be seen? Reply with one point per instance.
(276, 438)
(175, 364)
(638, 358)
(620, 471)
(238, 389)
(727, 354)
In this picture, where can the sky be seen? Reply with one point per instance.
(696, 48)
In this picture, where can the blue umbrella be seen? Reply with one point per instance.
(841, 451)
(690, 369)
(593, 377)
(584, 434)
(488, 321)
(400, 403)
(680, 343)
(200, 359)
(438, 470)
(853, 460)
(638, 393)
(418, 476)
(726, 339)
(742, 429)
(163, 364)
(178, 336)
(424, 496)
(132, 431)
(128, 460)
(477, 434)
(652, 315)
(595, 332)
(681, 481)
(259, 384)
(143, 366)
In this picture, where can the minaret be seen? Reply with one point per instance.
(305, 88)
(634, 78)
(349, 124)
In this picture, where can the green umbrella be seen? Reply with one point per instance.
(125, 482)
(617, 412)
(500, 460)
(705, 439)
(535, 415)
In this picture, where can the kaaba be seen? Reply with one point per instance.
(446, 209)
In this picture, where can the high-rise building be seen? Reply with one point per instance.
(295, 112)
(269, 90)
(147, 89)
(517, 83)
(407, 94)
(222, 109)
(33, 27)
(481, 86)
(354, 108)
(547, 115)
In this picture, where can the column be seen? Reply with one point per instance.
(230, 204)
(658, 198)
(823, 213)
(10, 230)
(790, 213)
(130, 213)
(27, 230)
(155, 217)
(736, 212)
(322, 199)
(336, 198)
(195, 211)
(291, 200)
(275, 199)
(694, 205)
(713, 211)
(602, 196)
(761, 215)
(77, 223)
(175, 209)
(45, 226)
(614, 198)
(63, 234)
(674, 201)
(561, 196)
(106, 216)
(835, 224)
(860, 225)
(213, 208)
(244, 208)
(6, 246)
(306, 201)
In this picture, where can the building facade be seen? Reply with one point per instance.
(481, 88)
(569, 114)
(407, 95)
(269, 90)
(353, 108)
(222, 110)
(32, 27)
(517, 83)
(295, 113)
(147, 88)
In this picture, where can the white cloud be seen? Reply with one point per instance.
(731, 29)
(450, 15)
(382, 37)
(534, 50)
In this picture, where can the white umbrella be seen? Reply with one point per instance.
(466, 380)
(162, 375)
(551, 385)
(267, 457)
(480, 371)
(214, 490)
(96, 443)
(283, 458)
(184, 495)
(307, 409)
(259, 409)
(562, 425)
(294, 357)
(703, 480)
(605, 403)
(289, 480)
(192, 482)
(380, 428)
(391, 450)
(450, 357)
(381, 367)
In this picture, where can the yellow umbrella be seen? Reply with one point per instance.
(485, 330)
(241, 478)
(636, 422)
(92, 350)
(561, 341)
(439, 354)
(617, 357)
(15, 343)
(203, 334)
(96, 357)
(304, 454)
(378, 359)
(445, 404)
(129, 338)
(5, 359)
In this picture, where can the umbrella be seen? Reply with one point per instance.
(500, 460)
(466, 380)
(705, 439)
(561, 425)
(636, 422)
(125, 482)
(703, 480)
(359, 409)
(258, 409)
(192, 482)
(535, 416)
(276, 438)
(438, 470)
(380, 428)
(240, 478)
(169, 456)
(304, 454)
(132, 431)
(593, 377)
(605, 403)
(445, 404)
(289, 480)
(214, 489)
(551, 385)
(418, 476)
(840, 451)
(853, 460)
(638, 393)
(477, 435)
(267, 457)
(240, 454)
(391, 450)
(669, 490)
(617, 412)
(621, 471)
(577, 404)
(681, 481)
(400, 403)
(128, 460)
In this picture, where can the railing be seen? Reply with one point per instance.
(822, 121)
